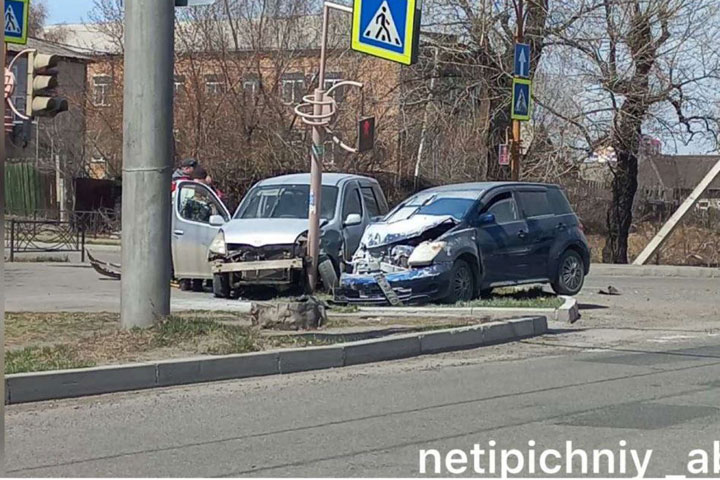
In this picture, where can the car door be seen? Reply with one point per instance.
(352, 204)
(503, 243)
(374, 206)
(192, 233)
(537, 210)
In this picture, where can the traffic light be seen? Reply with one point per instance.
(366, 134)
(42, 84)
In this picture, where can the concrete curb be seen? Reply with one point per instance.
(54, 385)
(668, 271)
(567, 312)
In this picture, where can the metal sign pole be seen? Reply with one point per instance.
(515, 147)
(2, 236)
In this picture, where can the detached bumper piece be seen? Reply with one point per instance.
(414, 286)
(263, 272)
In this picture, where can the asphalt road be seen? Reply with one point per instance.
(373, 420)
(642, 367)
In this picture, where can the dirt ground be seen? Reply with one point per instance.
(688, 245)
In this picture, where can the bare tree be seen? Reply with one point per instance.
(645, 64)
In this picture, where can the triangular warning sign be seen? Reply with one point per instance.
(382, 27)
(11, 22)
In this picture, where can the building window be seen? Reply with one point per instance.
(179, 84)
(292, 88)
(250, 88)
(214, 85)
(331, 80)
(101, 90)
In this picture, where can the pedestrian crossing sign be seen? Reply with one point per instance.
(388, 29)
(521, 99)
(16, 21)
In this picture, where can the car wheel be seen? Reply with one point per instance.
(221, 285)
(198, 285)
(462, 283)
(185, 284)
(329, 275)
(570, 274)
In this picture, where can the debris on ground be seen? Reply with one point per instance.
(610, 291)
(306, 313)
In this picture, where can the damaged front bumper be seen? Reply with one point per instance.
(262, 272)
(417, 285)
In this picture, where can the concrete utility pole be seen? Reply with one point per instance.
(515, 147)
(147, 161)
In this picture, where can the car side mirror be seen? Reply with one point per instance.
(486, 219)
(217, 220)
(353, 219)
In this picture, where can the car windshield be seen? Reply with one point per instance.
(285, 201)
(441, 204)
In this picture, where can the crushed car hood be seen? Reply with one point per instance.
(382, 234)
(259, 232)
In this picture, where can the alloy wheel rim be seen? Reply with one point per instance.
(571, 273)
(463, 283)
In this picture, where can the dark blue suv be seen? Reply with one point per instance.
(455, 242)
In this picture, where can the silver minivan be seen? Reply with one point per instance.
(265, 241)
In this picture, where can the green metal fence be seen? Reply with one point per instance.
(26, 189)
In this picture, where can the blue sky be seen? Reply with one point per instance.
(68, 11)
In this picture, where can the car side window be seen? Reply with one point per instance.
(535, 203)
(196, 204)
(504, 208)
(352, 202)
(371, 202)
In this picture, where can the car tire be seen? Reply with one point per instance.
(462, 283)
(221, 285)
(329, 275)
(185, 284)
(198, 285)
(570, 275)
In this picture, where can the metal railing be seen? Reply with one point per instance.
(44, 236)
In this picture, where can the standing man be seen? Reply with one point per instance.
(186, 169)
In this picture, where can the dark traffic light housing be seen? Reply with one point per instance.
(42, 84)
(366, 134)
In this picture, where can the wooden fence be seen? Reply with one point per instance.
(28, 190)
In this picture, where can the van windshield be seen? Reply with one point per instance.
(285, 201)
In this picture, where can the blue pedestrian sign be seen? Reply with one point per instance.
(522, 60)
(521, 99)
(388, 29)
(16, 21)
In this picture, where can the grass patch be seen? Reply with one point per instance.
(38, 359)
(206, 336)
(534, 297)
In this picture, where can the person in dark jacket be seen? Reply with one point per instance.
(186, 169)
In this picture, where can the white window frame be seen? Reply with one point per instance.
(101, 91)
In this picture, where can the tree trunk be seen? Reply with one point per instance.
(619, 216)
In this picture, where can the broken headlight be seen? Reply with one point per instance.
(425, 253)
(217, 246)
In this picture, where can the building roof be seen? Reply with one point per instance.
(50, 48)
(292, 33)
(242, 35)
(676, 171)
